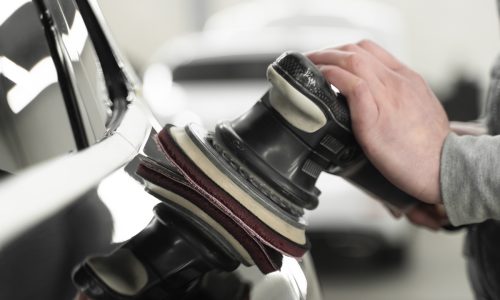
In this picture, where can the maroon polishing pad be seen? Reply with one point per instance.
(223, 200)
(266, 258)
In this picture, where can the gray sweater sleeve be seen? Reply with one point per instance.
(470, 178)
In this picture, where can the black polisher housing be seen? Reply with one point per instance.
(288, 158)
(298, 129)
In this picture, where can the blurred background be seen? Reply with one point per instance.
(204, 61)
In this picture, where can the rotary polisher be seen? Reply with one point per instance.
(241, 189)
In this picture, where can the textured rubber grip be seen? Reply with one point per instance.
(309, 80)
(333, 144)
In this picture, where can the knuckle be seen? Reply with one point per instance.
(330, 73)
(365, 43)
(327, 73)
(419, 78)
(354, 62)
(324, 69)
(350, 48)
(400, 85)
(359, 89)
(415, 77)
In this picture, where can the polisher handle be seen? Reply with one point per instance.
(313, 110)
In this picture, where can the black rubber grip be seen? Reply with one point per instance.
(309, 80)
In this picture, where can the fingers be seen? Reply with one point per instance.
(423, 218)
(81, 296)
(394, 212)
(381, 54)
(361, 102)
(365, 48)
(354, 60)
(343, 58)
(367, 60)
(427, 215)
(368, 75)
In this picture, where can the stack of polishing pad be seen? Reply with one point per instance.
(201, 178)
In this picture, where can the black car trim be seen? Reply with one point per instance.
(113, 74)
(116, 81)
(70, 99)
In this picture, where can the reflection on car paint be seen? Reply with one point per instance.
(9, 7)
(28, 84)
(76, 38)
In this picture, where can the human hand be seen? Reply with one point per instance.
(431, 216)
(468, 128)
(82, 296)
(396, 118)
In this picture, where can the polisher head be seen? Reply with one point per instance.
(209, 174)
(255, 175)
(165, 183)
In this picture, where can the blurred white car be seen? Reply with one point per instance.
(219, 73)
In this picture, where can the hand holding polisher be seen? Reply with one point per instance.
(261, 168)
(246, 184)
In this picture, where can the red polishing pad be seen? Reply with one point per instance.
(266, 258)
(219, 192)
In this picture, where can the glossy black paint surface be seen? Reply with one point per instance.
(34, 124)
(54, 97)
(53, 101)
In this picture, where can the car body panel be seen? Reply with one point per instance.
(52, 175)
